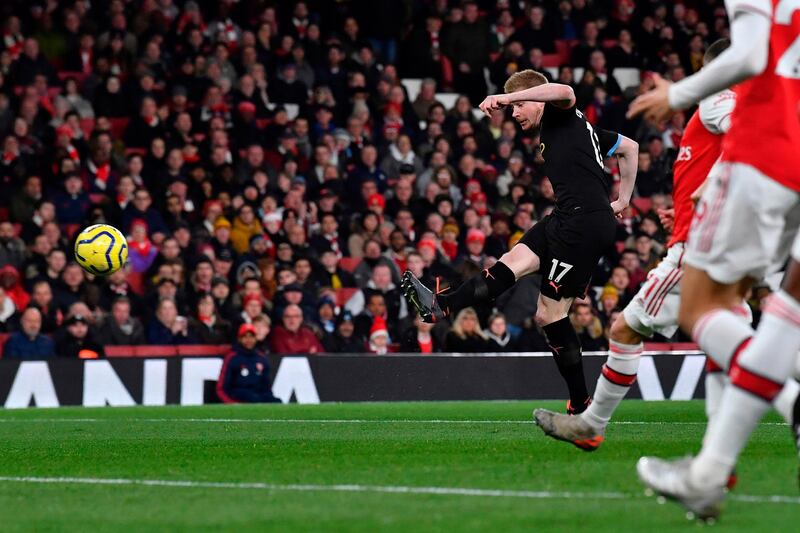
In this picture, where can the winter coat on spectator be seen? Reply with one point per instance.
(86, 292)
(71, 208)
(592, 344)
(501, 344)
(336, 343)
(302, 341)
(20, 346)
(420, 58)
(12, 283)
(217, 331)
(113, 334)
(470, 44)
(532, 339)
(51, 317)
(467, 344)
(283, 92)
(244, 377)
(113, 105)
(158, 333)
(139, 134)
(12, 252)
(27, 68)
(155, 222)
(409, 343)
(141, 255)
(338, 279)
(543, 38)
(22, 207)
(71, 347)
(241, 233)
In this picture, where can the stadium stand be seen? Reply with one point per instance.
(231, 129)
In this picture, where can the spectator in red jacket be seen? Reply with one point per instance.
(11, 282)
(291, 336)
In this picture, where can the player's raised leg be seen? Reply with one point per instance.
(484, 287)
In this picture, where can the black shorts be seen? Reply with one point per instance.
(569, 248)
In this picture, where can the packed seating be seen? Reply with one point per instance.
(281, 163)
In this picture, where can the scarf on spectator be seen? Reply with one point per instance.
(450, 249)
(141, 248)
(300, 26)
(121, 288)
(501, 341)
(86, 61)
(73, 154)
(425, 342)
(101, 173)
(127, 327)
(434, 36)
(208, 321)
(333, 240)
(230, 33)
(13, 44)
(408, 158)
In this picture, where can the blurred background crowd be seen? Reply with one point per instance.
(281, 163)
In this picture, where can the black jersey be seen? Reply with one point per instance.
(573, 153)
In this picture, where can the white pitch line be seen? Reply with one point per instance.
(336, 421)
(386, 489)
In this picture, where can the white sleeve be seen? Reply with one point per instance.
(746, 57)
(715, 111)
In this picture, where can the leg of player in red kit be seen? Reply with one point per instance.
(587, 431)
(757, 376)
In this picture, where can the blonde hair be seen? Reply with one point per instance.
(458, 330)
(524, 79)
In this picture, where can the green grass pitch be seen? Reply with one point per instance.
(364, 467)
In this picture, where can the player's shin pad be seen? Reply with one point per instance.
(722, 335)
(618, 374)
(480, 288)
(566, 350)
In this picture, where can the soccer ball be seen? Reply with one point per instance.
(101, 249)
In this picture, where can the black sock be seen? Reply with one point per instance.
(480, 288)
(566, 348)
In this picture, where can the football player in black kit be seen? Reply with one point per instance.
(564, 246)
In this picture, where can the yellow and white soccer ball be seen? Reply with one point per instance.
(101, 249)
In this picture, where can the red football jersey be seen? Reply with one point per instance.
(700, 148)
(765, 126)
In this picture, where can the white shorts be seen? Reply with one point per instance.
(744, 225)
(654, 309)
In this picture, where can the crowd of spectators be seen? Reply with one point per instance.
(269, 168)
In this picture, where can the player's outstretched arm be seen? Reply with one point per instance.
(558, 94)
(628, 158)
(746, 57)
